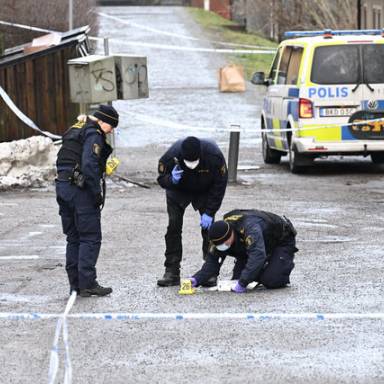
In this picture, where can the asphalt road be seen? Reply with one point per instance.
(336, 208)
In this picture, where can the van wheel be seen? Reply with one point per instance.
(270, 156)
(377, 157)
(298, 162)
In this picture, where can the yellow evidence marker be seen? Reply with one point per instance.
(111, 165)
(186, 287)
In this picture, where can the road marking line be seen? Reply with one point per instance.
(20, 257)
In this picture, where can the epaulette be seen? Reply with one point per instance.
(78, 125)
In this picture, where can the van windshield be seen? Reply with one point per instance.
(340, 64)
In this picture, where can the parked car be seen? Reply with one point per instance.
(319, 84)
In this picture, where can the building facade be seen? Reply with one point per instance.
(372, 14)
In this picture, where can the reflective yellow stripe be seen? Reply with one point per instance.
(329, 133)
(277, 134)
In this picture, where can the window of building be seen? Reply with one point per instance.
(364, 19)
(376, 15)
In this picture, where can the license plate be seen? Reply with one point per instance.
(336, 112)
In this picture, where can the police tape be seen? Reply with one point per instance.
(25, 119)
(128, 316)
(183, 48)
(54, 358)
(237, 128)
(267, 50)
(23, 26)
(179, 36)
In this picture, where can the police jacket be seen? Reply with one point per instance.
(257, 233)
(84, 146)
(205, 185)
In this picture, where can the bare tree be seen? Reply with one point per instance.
(47, 14)
(282, 15)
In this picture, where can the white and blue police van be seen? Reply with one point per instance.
(325, 96)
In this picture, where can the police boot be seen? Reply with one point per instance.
(96, 290)
(169, 279)
(211, 282)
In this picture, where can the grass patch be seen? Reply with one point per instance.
(220, 29)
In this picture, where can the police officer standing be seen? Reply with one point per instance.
(192, 171)
(80, 193)
(262, 243)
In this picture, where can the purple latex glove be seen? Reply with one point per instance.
(193, 281)
(205, 221)
(177, 173)
(237, 288)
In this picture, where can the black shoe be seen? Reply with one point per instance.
(97, 290)
(211, 282)
(169, 279)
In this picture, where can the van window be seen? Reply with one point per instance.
(283, 67)
(273, 72)
(294, 65)
(373, 59)
(336, 64)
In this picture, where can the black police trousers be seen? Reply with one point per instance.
(279, 265)
(80, 218)
(173, 238)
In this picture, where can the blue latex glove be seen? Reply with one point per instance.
(177, 172)
(193, 281)
(238, 288)
(205, 221)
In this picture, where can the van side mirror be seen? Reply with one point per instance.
(258, 78)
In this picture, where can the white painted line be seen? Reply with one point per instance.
(32, 234)
(197, 316)
(19, 257)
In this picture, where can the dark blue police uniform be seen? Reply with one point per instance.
(80, 166)
(263, 249)
(203, 187)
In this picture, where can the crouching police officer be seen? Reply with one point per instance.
(80, 193)
(262, 243)
(192, 171)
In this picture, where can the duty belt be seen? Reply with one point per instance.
(64, 176)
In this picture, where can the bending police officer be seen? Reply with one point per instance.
(192, 171)
(80, 165)
(262, 243)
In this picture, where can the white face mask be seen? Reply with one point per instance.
(192, 164)
(222, 247)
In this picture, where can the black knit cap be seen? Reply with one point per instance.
(219, 232)
(108, 114)
(190, 148)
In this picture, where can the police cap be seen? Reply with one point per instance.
(219, 232)
(108, 114)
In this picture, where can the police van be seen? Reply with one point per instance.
(319, 85)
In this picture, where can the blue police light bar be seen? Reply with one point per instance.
(330, 32)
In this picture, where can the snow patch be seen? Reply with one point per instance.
(27, 163)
